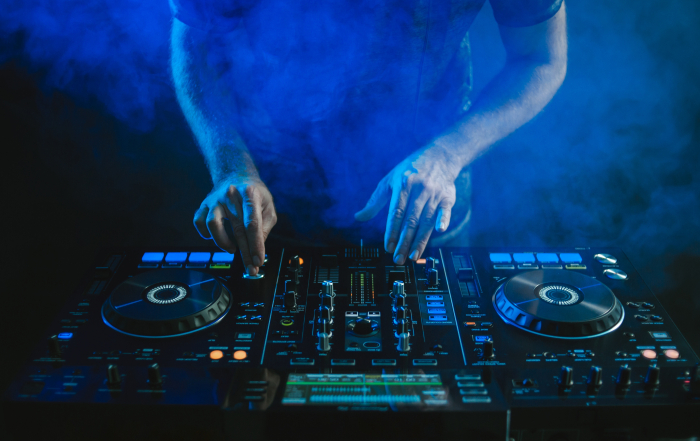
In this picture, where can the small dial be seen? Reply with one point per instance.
(363, 327)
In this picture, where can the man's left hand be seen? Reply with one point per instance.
(421, 192)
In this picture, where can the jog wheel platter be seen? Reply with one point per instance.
(166, 303)
(558, 303)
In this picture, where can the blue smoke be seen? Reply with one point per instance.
(612, 160)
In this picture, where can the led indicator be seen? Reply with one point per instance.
(65, 335)
(240, 355)
(648, 353)
(216, 355)
(670, 353)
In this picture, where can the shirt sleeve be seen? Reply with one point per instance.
(522, 13)
(209, 15)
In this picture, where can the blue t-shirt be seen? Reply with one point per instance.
(332, 95)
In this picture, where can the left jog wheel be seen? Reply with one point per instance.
(166, 303)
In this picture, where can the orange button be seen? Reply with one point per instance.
(216, 355)
(470, 323)
(240, 355)
(420, 261)
(672, 353)
(648, 353)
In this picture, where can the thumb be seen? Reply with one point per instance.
(378, 200)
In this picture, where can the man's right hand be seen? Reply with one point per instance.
(247, 204)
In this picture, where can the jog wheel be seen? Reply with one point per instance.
(559, 304)
(166, 303)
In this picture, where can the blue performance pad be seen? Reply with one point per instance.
(499, 257)
(199, 257)
(176, 257)
(152, 257)
(524, 257)
(222, 258)
(547, 258)
(570, 257)
(65, 335)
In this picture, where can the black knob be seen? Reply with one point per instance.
(290, 301)
(624, 377)
(295, 263)
(433, 279)
(595, 378)
(430, 263)
(325, 314)
(54, 346)
(154, 376)
(401, 314)
(488, 349)
(566, 377)
(651, 381)
(327, 295)
(113, 376)
(399, 302)
(363, 326)
(399, 288)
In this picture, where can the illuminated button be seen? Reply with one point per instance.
(473, 400)
(470, 384)
(152, 257)
(222, 258)
(420, 261)
(199, 257)
(240, 355)
(524, 257)
(216, 355)
(570, 257)
(286, 322)
(499, 257)
(469, 323)
(648, 353)
(672, 353)
(468, 377)
(176, 257)
(473, 392)
(547, 258)
(65, 335)
(659, 334)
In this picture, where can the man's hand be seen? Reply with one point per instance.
(422, 193)
(247, 204)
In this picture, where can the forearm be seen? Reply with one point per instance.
(535, 69)
(206, 99)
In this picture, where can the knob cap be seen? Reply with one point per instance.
(401, 314)
(488, 349)
(113, 376)
(398, 288)
(325, 314)
(566, 377)
(295, 263)
(54, 346)
(404, 343)
(595, 377)
(430, 263)
(324, 344)
(433, 278)
(324, 326)
(154, 376)
(399, 302)
(624, 377)
(403, 327)
(651, 381)
(327, 288)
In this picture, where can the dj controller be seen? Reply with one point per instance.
(466, 343)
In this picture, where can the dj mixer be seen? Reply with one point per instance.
(341, 343)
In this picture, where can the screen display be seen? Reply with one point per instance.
(364, 389)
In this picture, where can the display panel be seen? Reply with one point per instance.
(417, 390)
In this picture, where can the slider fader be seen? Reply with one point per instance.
(341, 343)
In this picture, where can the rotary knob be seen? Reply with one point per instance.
(113, 376)
(566, 377)
(327, 295)
(154, 376)
(488, 351)
(325, 314)
(324, 335)
(651, 381)
(430, 263)
(607, 259)
(595, 378)
(624, 377)
(432, 277)
(54, 346)
(399, 288)
(401, 313)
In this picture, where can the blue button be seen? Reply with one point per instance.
(524, 257)
(65, 335)
(499, 257)
(547, 258)
(199, 257)
(176, 257)
(570, 257)
(222, 258)
(152, 257)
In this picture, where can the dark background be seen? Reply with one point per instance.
(97, 154)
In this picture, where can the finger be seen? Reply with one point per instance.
(200, 222)
(442, 220)
(376, 202)
(425, 228)
(252, 220)
(215, 225)
(410, 225)
(235, 217)
(397, 210)
(269, 216)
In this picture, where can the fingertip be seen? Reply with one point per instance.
(256, 261)
(252, 270)
(391, 248)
